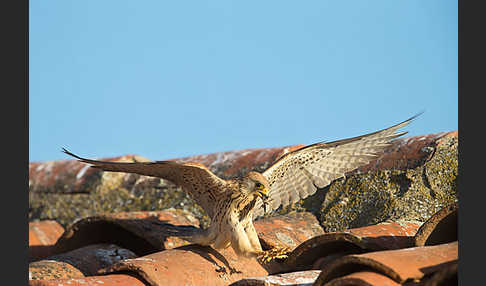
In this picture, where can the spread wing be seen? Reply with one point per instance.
(298, 174)
(194, 178)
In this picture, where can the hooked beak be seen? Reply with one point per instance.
(263, 194)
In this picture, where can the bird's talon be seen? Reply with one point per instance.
(276, 253)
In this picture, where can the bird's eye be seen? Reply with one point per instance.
(259, 186)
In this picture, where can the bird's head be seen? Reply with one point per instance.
(256, 184)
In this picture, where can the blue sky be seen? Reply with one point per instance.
(169, 79)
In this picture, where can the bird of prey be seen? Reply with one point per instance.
(233, 204)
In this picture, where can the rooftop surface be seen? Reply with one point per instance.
(408, 237)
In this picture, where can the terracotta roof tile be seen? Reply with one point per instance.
(42, 236)
(50, 269)
(329, 246)
(299, 278)
(400, 265)
(68, 176)
(364, 278)
(287, 230)
(141, 232)
(445, 276)
(106, 280)
(88, 260)
(439, 228)
(191, 265)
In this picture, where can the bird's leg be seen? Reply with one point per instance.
(253, 236)
(264, 256)
(240, 242)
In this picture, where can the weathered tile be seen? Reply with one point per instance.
(191, 265)
(84, 261)
(387, 235)
(68, 176)
(287, 230)
(445, 276)
(439, 228)
(300, 278)
(105, 280)
(326, 247)
(90, 259)
(140, 232)
(51, 269)
(42, 236)
(364, 278)
(400, 265)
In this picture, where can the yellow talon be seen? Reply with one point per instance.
(277, 252)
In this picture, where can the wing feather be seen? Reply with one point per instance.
(194, 178)
(298, 174)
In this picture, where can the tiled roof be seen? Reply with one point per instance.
(385, 252)
(140, 247)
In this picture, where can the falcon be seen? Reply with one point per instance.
(233, 204)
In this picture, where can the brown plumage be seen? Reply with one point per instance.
(233, 204)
